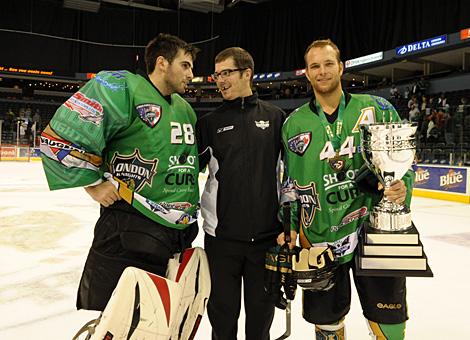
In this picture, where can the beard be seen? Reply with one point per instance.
(332, 87)
(175, 86)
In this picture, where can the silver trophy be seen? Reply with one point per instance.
(389, 151)
(390, 244)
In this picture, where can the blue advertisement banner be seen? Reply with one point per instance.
(447, 179)
(421, 45)
(35, 152)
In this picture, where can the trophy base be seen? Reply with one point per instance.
(382, 253)
(383, 219)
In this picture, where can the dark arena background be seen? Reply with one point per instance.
(414, 53)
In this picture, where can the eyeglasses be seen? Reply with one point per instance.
(225, 73)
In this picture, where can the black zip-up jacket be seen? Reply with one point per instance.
(240, 141)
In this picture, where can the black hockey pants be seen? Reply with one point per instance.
(229, 263)
(124, 237)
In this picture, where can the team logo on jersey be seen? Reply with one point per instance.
(367, 117)
(134, 170)
(149, 113)
(262, 124)
(337, 163)
(309, 201)
(299, 143)
(88, 109)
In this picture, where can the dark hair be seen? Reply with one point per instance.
(241, 58)
(167, 46)
(320, 44)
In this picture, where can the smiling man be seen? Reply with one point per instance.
(322, 160)
(118, 137)
(241, 143)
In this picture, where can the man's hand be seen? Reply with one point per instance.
(293, 239)
(104, 193)
(397, 192)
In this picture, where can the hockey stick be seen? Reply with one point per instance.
(288, 323)
(287, 239)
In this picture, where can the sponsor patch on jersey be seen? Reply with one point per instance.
(67, 153)
(105, 83)
(118, 74)
(353, 216)
(383, 104)
(176, 205)
(183, 162)
(133, 170)
(88, 109)
(225, 128)
(149, 113)
(59, 147)
(262, 124)
(341, 246)
(184, 219)
(309, 202)
(299, 143)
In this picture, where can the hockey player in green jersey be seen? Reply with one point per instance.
(129, 140)
(322, 158)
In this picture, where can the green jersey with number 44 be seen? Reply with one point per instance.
(118, 126)
(322, 171)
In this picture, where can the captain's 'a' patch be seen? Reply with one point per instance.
(149, 113)
(366, 117)
(299, 143)
(133, 170)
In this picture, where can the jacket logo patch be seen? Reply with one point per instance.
(309, 202)
(88, 109)
(262, 124)
(133, 170)
(149, 113)
(299, 143)
(225, 128)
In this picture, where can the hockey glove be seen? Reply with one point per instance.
(279, 282)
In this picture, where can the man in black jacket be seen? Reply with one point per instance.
(241, 143)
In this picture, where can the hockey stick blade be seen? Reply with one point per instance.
(288, 323)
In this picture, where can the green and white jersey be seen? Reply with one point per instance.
(118, 126)
(330, 203)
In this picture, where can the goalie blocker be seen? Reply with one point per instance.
(148, 306)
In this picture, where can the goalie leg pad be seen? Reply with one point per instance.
(190, 270)
(381, 331)
(148, 306)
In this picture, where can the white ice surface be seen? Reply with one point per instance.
(45, 236)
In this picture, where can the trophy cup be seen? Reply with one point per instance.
(389, 243)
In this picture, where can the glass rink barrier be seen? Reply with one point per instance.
(19, 141)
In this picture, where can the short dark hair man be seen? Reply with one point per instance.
(240, 142)
(122, 137)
